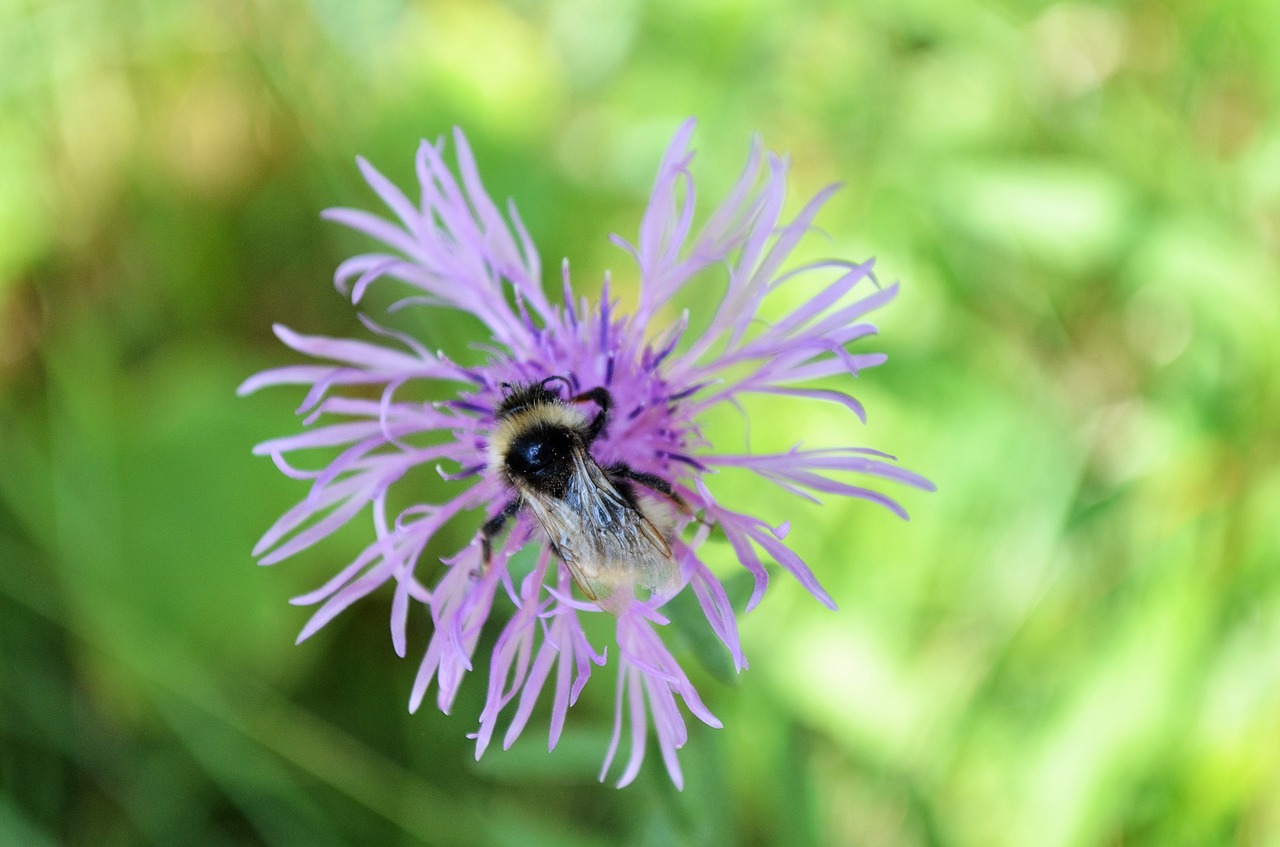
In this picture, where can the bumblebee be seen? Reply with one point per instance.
(612, 537)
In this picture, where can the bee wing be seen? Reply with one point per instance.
(606, 542)
(564, 530)
(651, 534)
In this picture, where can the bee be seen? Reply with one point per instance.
(612, 539)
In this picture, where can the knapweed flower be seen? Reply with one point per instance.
(626, 392)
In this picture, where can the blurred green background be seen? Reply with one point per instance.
(1076, 641)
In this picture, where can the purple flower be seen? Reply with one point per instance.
(454, 249)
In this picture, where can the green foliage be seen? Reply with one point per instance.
(1073, 642)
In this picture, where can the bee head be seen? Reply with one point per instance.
(517, 398)
(536, 436)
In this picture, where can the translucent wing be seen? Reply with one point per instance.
(609, 545)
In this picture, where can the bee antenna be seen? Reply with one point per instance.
(555, 377)
(505, 386)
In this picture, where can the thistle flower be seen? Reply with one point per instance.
(453, 249)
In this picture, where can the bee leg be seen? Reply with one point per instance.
(650, 481)
(602, 398)
(493, 526)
